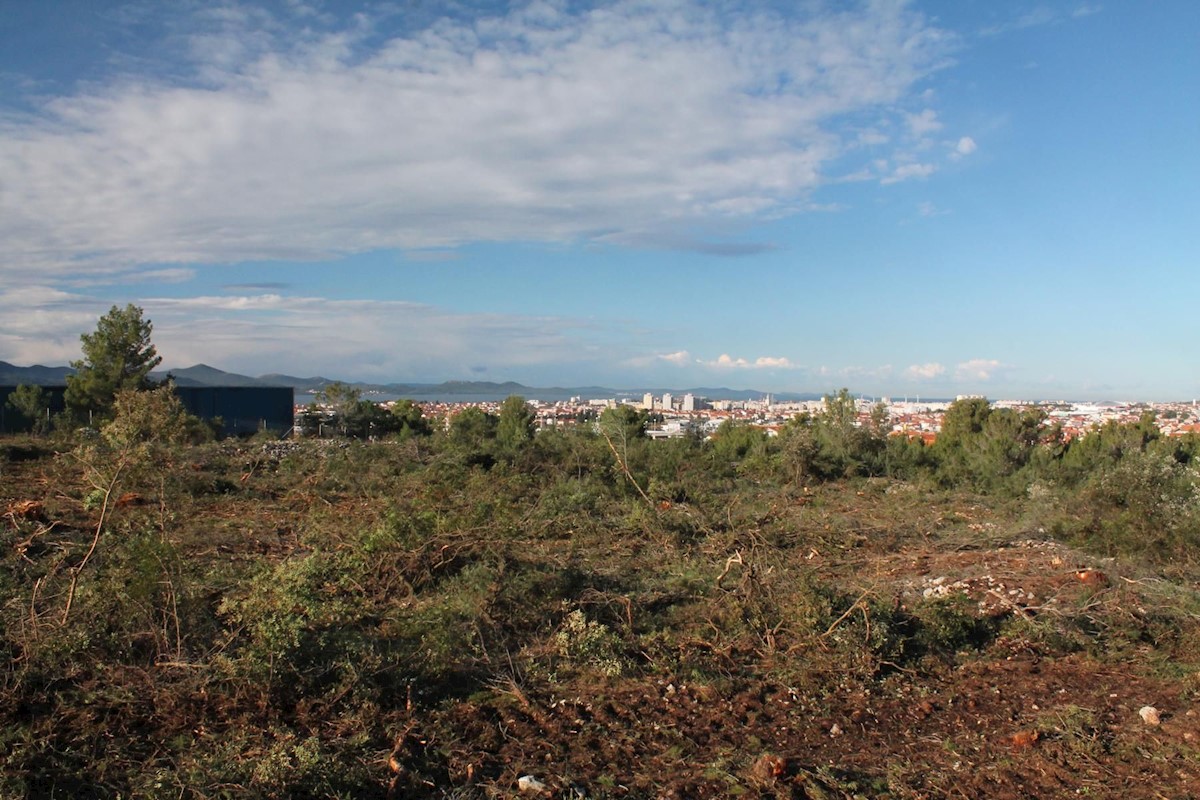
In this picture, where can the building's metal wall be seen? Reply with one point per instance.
(242, 409)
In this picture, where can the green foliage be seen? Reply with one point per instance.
(31, 407)
(798, 449)
(472, 437)
(153, 417)
(410, 420)
(348, 414)
(947, 625)
(117, 356)
(1153, 507)
(589, 644)
(832, 444)
(963, 419)
(515, 425)
(987, 448)
(739, 445)
(844, 447)
(1105, 446)
(298, 621)
(623, 423)
(289, 765)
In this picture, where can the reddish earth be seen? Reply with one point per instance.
(1027, 716)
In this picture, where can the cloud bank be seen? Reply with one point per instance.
(726, 361)
(268, 332)
(628, 122)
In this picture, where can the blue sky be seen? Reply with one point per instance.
(928, 198)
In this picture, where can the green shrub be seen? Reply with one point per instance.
(588, 644)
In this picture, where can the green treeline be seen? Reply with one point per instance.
(1142, 485)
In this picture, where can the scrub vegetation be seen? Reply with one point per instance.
(828, 613)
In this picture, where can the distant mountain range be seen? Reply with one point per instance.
(12, 375)
(204, 375)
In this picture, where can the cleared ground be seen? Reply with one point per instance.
(390, 620)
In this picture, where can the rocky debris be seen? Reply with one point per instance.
(768, 767)
(992, 595)
(281, 449)
(1149, 715)
(530, 785)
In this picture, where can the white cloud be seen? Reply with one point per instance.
(679, 358)
(906, 172)
(537, 125)
(979, 369)
(168, 275)
(725, 361)
(41, 324)
(873, 138)
(923, 123)
(268, 332)
(371, 338)
(925, 371)
(1035, 18)
(965, 146)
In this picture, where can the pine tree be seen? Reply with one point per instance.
(118, 355)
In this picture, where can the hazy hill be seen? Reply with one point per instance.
(303, 384)
(205, 375)
(37, 375)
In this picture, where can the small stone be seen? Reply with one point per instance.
(1149, 715)
(1025, 738)
(836, 730)
(1091, 577)
(530, 784)
(769, 767)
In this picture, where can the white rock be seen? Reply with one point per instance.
(1149, 715)
(530, 784)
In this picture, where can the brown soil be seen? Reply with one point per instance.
(1013, 720)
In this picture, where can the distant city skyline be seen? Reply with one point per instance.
(934, 198)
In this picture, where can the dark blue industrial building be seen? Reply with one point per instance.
(241, 409)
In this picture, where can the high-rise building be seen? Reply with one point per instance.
(648, 401)
(667, 401)
(689, 402)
